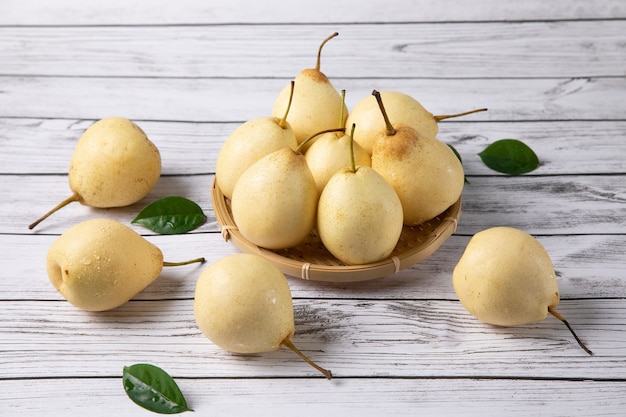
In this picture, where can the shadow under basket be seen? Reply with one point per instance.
(310, 260)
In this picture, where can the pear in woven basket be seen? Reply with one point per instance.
(275, 200)
(425, 173)
(316, 105)
(359, 215)
(250, 142)
(400, 107)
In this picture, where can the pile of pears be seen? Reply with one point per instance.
(242, 302)
(359, 178)
(100, 264)
(356, 178)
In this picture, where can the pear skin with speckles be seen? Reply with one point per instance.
(505, 277)
(100, 264)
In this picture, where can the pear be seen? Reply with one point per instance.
(425, 173)
(403, 108)
(114, 164)
(243, 304)
(274, 202)
(505, 277)
(316, 103)
(331, 152)
(100, 264)
(359, 215)
(248, 143)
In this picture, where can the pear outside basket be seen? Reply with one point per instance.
(310, 260)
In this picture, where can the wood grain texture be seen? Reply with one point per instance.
(121, 12)
(365, 50)
(587, 266)
(564, 147)
(550, 205)
(202, 100)
(189, 72)
(415, 338)
(354, 396)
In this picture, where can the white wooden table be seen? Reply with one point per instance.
(552, 74)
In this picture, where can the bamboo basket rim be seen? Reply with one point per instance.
(311, 261)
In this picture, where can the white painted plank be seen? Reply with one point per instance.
(587, 266)
(352, 338)
(364, 397)
(551, 73)
(121, 12)
(530, 49)
(564, 147)
(237, 100)
(541, 205)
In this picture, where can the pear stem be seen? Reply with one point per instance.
(70, 199)
(319, 51)
(560, 317)
(191, 261)
(450, 116)
(352, 160)
(327, 373)
(283, 122)
(342, 115)
(300, 146)
(390, 129)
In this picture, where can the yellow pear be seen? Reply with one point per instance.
(402, 108)
(505, 277)
(248, 143)
(331, 152)
(100, 264)
(274, 202)
(316, 105)
(243, 304)
(425, 173)
(359, 215)
(114, 164)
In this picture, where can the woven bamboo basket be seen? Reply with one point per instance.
(310, 260)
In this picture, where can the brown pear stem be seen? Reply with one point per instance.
(283, 122)
(300, 146)
(450, 116)
(560, 317)
(319, 51)
(70, 199)
(327, 373)
(390, 129)
(352, 159)
(191, 261)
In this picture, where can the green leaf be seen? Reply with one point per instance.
(171, 215)
(152, 388)
(510, 156)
